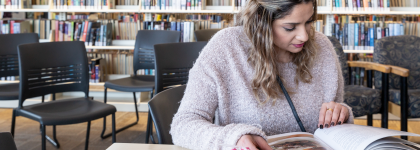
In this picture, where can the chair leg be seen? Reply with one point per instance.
(149, 128)
(87, 136)
(43, 136)
(55, 141)
(369, 119)
(12, 130)
(104, 126)
(125, 127)
(149, 123)
(114, 136)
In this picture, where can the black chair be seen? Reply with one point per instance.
(205, 35)
(173, 62)
(6, 141)
(49, 68)
(143, 59)
(163, 107)
(364, 100)
(9, 61)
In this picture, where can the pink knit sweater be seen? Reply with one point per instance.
(221, 81)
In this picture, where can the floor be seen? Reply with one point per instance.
(72, 137)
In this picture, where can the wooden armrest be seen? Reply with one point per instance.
(362, 64)
(370, 66)
(400, 71)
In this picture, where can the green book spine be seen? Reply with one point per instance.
(71, 31)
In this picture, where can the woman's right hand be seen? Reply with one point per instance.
(253, 142)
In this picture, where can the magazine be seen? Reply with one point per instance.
(343, 137)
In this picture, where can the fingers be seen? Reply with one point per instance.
(328, 115)
(247, 141)
(261, 143)
(335, 115)
(343, 115)
(322, 113)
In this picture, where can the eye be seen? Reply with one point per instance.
(310, 21)
(290, 29)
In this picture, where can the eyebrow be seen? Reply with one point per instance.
(293, 23)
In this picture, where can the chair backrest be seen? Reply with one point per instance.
(173, 63)
(9, 65)
(205, 35)
(54, 67)
(162, 108)
(342, 58)
(402, 51)
(6, 141)
(143, 48)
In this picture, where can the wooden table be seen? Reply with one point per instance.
(135, 146)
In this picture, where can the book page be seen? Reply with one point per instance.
(296, 141)
(299, 143)
(389, 140)
(351, 137)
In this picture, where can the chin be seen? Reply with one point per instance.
(295, 50)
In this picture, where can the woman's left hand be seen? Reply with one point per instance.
(332, 114)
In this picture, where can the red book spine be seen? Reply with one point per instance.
(11, 26)
(56, 30)
(85, 31)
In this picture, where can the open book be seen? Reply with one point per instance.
(343, 137)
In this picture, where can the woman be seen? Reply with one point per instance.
(235, 79)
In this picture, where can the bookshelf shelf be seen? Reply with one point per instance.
(110, 47)
(24, 10)
(95, 10)
(359, 51)
(189, 11)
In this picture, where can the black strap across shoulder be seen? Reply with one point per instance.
(302, 128)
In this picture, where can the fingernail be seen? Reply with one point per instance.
(247, 147)
(332, 124)
(326, 125)
(339, 123)
(321, 126)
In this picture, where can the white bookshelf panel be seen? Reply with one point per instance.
(189, 11)
(95, 10)
(359, 51)
(110, 47)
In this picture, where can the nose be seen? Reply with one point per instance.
(302, 35)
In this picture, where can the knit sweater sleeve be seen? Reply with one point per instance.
(332, 73)
(192, 125)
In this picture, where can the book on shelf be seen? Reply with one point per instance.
(172, 4)
(84, 4)
(343, 137)
(361, 32)
(360, 5)
(15, 26)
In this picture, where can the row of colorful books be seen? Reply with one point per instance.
(117, 62)
(361, 32)
(361, 5)
(172, 4)
(84, 4)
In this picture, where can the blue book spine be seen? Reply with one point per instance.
(96, 73)
(146, 71)
(371, 37)
(356, 36)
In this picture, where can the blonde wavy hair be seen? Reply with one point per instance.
(257, 19)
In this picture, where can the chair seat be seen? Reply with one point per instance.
(413, 101)
(140, 83)
(362, 100)
(9, 91)
(67, 111)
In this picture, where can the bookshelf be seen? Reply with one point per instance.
(97, 88)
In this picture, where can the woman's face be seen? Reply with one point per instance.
(292, 31)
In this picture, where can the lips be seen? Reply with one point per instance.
(299, 45)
